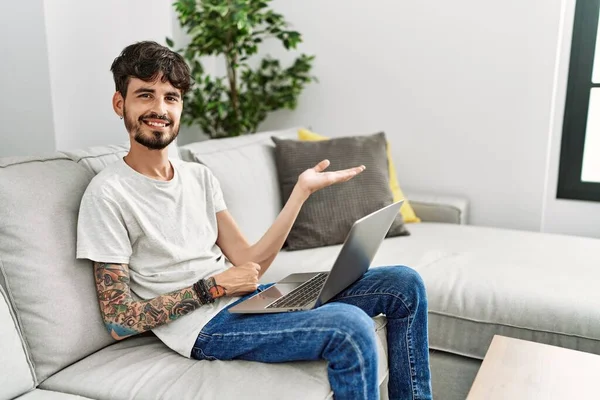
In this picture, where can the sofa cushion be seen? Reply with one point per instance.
(16, 371)
(97, 157)
(53, 293)
(328, 214)
(245, 168)
(485, 281)
(143, 368)
(528, 285)
(39, 394)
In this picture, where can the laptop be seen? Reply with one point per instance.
(305, 291)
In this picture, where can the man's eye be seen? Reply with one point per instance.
(144, 95)
(174, 99)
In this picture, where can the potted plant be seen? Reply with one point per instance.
(236, 103)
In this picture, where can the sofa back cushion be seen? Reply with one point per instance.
(52, 293)
(245, 167)
(16, 374)
(97, 157)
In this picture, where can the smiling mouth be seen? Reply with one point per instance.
(156, 123)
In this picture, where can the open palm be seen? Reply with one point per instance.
(315, 178)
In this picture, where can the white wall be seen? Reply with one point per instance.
(565, 216)
(84, 37)
(462, 88)
(25, 104)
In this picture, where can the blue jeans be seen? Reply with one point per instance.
(341, 332)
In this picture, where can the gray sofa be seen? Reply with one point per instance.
(480, 282)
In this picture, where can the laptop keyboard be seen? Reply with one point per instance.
(303, 294)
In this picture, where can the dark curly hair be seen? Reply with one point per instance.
(145, 61)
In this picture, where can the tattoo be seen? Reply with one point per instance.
(214, 289)
(124, 316)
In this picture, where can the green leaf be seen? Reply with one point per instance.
(170, 42)
(221, 109)
(222, 9)
(120, 308)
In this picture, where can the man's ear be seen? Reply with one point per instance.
(118, 102)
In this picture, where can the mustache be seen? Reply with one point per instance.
(154, 115)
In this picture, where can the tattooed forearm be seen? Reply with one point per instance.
(124, 316)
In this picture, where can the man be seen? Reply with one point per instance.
(168, 257)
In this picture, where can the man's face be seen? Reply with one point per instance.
(152, 111)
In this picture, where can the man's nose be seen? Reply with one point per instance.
(161, 107)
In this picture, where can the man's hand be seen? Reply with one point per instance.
(314, 179)
(239, 280)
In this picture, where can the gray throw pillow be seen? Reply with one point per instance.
(327, 216)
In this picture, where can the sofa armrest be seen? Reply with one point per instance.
(439, 208)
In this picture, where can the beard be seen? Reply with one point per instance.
(155, 139)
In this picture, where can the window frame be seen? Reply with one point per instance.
(580, 85)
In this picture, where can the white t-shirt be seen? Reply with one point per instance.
(166, 231)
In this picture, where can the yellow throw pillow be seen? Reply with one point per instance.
(408, 214)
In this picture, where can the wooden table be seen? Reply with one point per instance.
(517, 369)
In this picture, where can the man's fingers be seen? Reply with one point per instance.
(255, 267)
(355, 170)
(251, 265)
(322, 166)
(350, 173)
